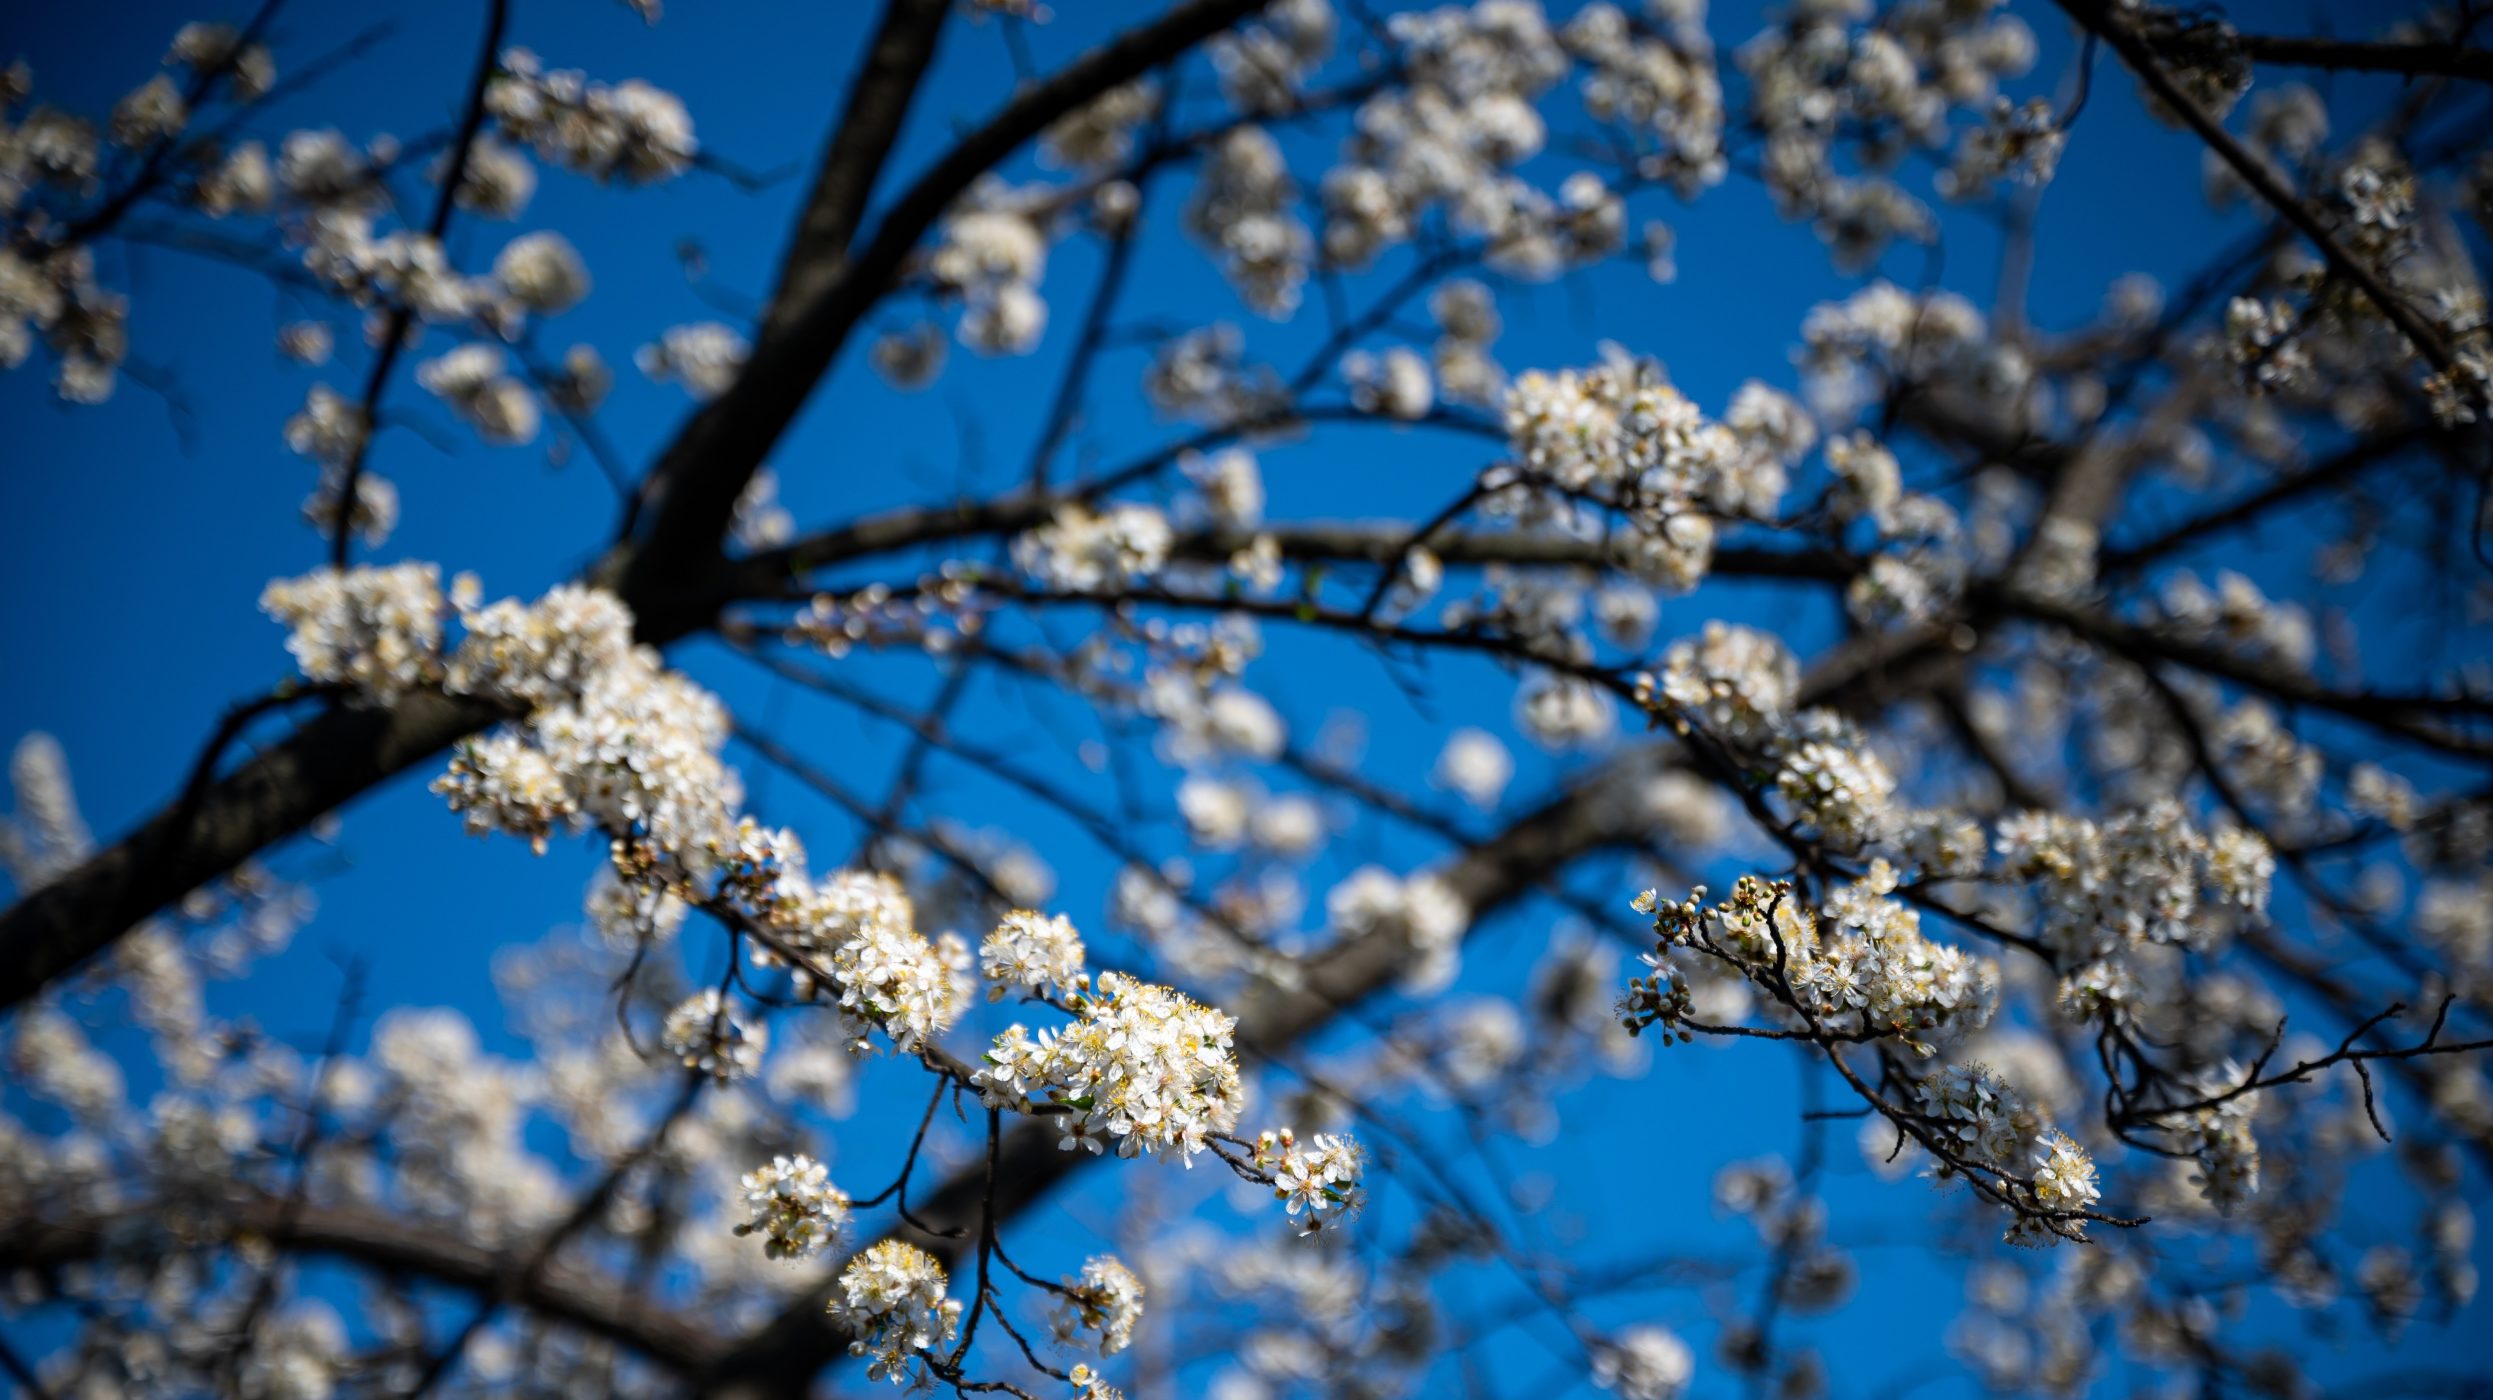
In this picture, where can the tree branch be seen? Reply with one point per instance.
(380, 1240)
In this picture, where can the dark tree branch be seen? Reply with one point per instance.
(2342, 55)
(375, 1239)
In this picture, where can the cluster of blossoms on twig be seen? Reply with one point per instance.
(1032, 954)
(612, 740)
(1104, 1305)
(850, 939)
(992, 257)
(793, 1206)
(1644, 1362)
(707, 1035)
(1321, 1179)
(1987, 1132)
(1859, 965)
(1086, 551)
(1143, 1067)
(1621, 435)
(2218, 1135)
(1858, 970)
(2109, 893)
(628, 130)
(892, 1299)
(377, 631)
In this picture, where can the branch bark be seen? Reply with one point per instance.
(379, 1240)
(2413, 60)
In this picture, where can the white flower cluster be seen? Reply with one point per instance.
(1622, 433)
(1644, 1362)
(403, 267)
(1202, 722)
(148, 113)
(301, 1349)
(1860, 963)
(474, 381)
(2020, 143)
(542, 272)
(1100, 133)
(544, 652)
(1263, 65)
(50, 1055)
(1107, 1300)
(498, 181)
(1737, 685)
(1229, 486)
(638, 755)
(1467, 323)
(1876, 960)
(1913, 337)
(629, 129)
(1321, 1179)
(329, 428)
(581, 382)
(993, 252)
(1423, 909)
(2043, 1174)
(57, 296)
(611, 737)
(1395, 384)
(2064, 1175)
(1086, 551)
(704, 357)
(2237, 616)
(1886, 85)
(319, 169)
(1824, 767)
(792, 1205)
(626, 915)
(1774, 431)
(47, 834)
(1145, 1065)
(1204, 375)
(1475, 764)
(704, 1032)
(1619, 426)
(2258, 748)
(892, 1299)
(1452, 135)
(1740, 683)
(1662, 86)
(2144, 877)
(2221, 1139)
(1030, 952)
(502, 783)
(209, 48)
(306, 342)
(1243, 210)
(851, 937)
(377, 630)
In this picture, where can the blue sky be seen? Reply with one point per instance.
(135, 541)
